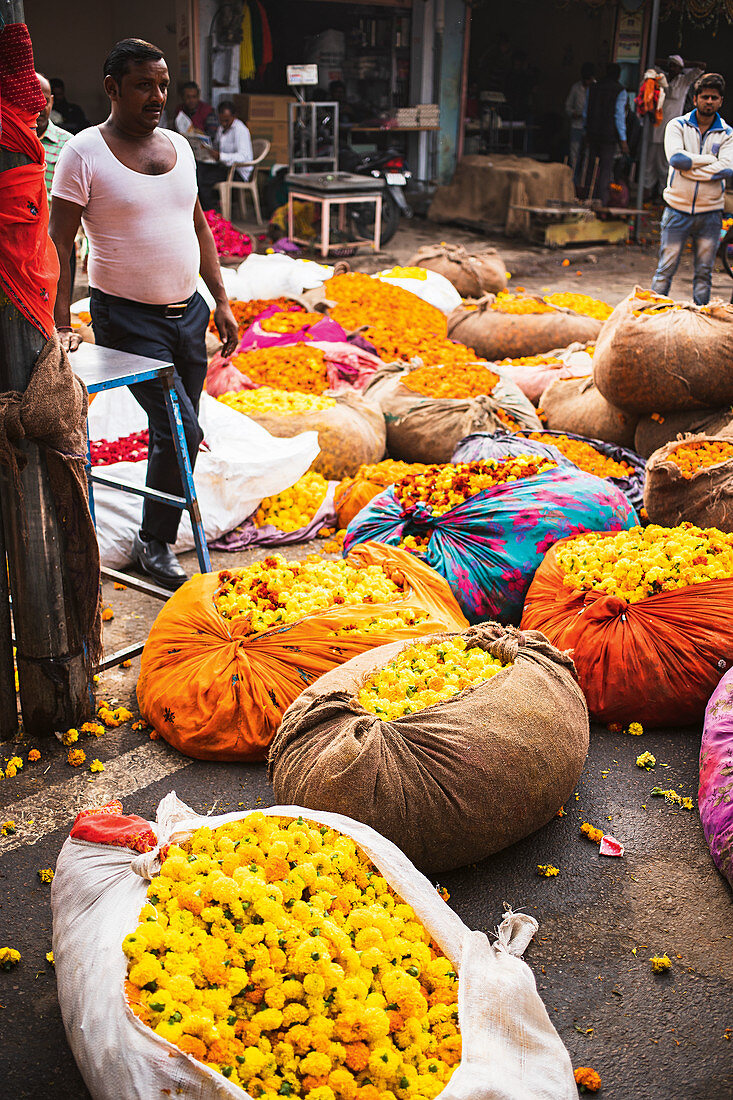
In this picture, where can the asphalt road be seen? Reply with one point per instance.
(650, 1037)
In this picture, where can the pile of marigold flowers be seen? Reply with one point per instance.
(580, 303)
(246, 313)
(274, 592)
(690, 458)
(297, 367)
(362, 300)
(267, 401)
(422, 675)
(274, 952)
(395, 620)
(387, 472)
(456, 382)
(531, 361)
(443, 487)
(294, 507)
(644, 561)
(287, 321)
(508, 302)
(584, 455)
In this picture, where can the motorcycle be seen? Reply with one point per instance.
(386, 164)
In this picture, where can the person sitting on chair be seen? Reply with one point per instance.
(232, 145)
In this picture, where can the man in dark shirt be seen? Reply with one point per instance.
(605, 130)
(73, 118)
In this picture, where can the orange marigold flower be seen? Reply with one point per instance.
(585, 455)
(596, 835)
(297, 367)
(76, 757)
(33, 755)
(189, 1044)
(357, 1056)
(107, 614)
(453, 382)
(289, 321)
(587, 1078)
(690, 458)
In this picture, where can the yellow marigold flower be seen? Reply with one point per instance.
(33, 756)
(646, 760)
(94, 729)
(50, 958)
(635, 729)
(596, 835)
(107, 614)
(295, 507)
(96, 766)
(45, 874)
(547, 870)
(70, 736)
(660, 963)
(9, 958)
(76, 757)
(8, 828)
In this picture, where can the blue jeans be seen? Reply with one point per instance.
(676, 227)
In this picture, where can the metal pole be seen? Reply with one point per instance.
(54, 687)
(647, 129)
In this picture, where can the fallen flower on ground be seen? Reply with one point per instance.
(45, 874)
(33, 756)
(547, 870)
(660, 963)
(76, 757)
(646, 760)
(587, 1079)
(96, 729)
(140, 725)
(13, 766)
(635, 729)
(96, 766)
(8, 828)
(670, 795)
(596, 835)
(120, 587)
(50, 958)
(70, 736)
(107, 614)
(9, 958)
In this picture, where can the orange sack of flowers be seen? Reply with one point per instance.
(658, 355)
(495, 334)
(691, 479)
(217, 691)
(471, 273)
(652, 432)
(655, 662)
(575, 405)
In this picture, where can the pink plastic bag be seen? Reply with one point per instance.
(255, 336)
(715, 796)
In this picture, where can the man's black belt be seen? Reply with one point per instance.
(173, 311)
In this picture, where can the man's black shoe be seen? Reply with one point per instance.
(158, 560)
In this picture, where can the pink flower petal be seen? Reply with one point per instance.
(611, 847)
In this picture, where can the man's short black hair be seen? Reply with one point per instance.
(613, 70)
(226, 105)
(587, 70)
(709, 80)
(190, 84)
(130, 51)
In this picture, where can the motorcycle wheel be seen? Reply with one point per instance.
(362, 216)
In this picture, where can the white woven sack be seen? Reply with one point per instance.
(511, 1051)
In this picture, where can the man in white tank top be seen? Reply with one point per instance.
(133, 187)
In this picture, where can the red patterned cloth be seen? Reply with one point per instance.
(29, 267)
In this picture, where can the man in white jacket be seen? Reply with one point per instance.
(699, 148)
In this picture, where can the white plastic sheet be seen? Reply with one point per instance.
(243, 465)
(434, 289)
(511, 1051)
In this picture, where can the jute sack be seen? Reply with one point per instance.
(454, 782)
(652, 434)
(428, 429)
(496, 335)
(655, 359)
(575, 405)
(472, 273)
(349, 434)
(705, 499)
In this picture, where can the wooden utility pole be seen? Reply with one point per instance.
(55, 692)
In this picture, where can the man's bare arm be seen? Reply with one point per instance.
(64, 223)
(224, 319)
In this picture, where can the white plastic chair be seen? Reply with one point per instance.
(260, 149)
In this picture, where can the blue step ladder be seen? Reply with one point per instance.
(106, 369)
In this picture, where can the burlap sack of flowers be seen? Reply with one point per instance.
(652, 432)
(678, 488)
(575, 405)
(657, 355)
(472, 273)
(349, 434)
(428, 429)
(454, 782)
(496, 335)
(101, 898)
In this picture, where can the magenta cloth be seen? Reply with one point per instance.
(247, 534)
(715, 796)
(256, 337)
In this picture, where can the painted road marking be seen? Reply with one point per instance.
(58, 806)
